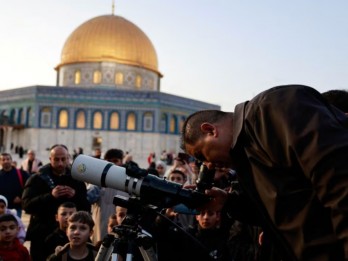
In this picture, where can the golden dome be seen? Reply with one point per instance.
(109, 38)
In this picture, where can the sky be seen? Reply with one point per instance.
(218, 51)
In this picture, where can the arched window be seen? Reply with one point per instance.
(63, 119)
(172, 127)
(131, 121)
(97, 120)
(150, 83)
(80, 122)
(12, 116)
(138, 81)
(20, 116)
(148, 121)
(97, 77)
(181, 123)
(163, 123)
(77, 77)
(119, 78)
(22, 113)
(28, 122)
(45, 117)
(114, 121)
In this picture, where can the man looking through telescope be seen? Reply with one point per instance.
(289, 148)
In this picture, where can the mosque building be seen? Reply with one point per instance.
(107, 95)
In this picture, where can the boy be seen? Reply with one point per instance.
(10, 247)
(58, 237)
(209, 233)
(4, 210)
(182, 219)
(112, 222)
(121, 213)
(177, 176)
(80, 228)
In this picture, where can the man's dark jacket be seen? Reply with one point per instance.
(290, 149)
(42, 206)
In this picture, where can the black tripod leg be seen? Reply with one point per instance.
(118, 250)
(132, 246)
(105, 249)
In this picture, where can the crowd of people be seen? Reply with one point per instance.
(277, 193)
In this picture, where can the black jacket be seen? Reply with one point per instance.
(42, 206)
(63, 254)
(56, 238)
(290, 151)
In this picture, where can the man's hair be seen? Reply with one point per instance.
(59, 145)
(176, 171)
(83, 217)
(67, 204)
(113, 153)
(338, 98)
(8, 217)
(5, 154)
(190, 130)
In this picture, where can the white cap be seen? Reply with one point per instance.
(4, 199)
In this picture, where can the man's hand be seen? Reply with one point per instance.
(170, 213)
(63, 191)
(218, 199)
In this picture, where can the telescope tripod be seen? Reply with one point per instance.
(124, 244)
(127, 239)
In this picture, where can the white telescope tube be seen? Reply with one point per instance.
(105, 174)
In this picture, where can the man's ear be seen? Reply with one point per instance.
(208, 128)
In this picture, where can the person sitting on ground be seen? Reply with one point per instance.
(10, 247)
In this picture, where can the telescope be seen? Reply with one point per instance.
(136, 182)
